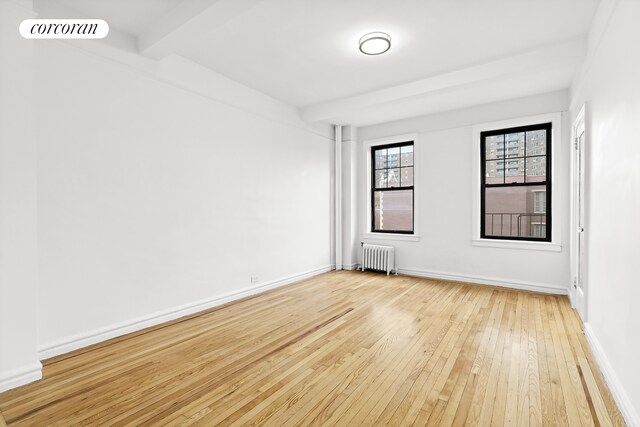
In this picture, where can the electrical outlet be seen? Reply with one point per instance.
(255, 279)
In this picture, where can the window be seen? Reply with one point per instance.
(515, 200)
(538, 230)
(392, 188)
(539, 201)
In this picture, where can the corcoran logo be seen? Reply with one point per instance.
(64, 29)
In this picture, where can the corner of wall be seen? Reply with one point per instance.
(19, 364)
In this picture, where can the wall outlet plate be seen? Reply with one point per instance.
(255, 279)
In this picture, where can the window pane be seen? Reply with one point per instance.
(494, 172)
(393, 210)
(393, 177)
(393, 157)
(512, 212)
(381, 179)
(381, 158)
(494, 147)
(514, 145)
(538, 230)
(514, 171)
(407, 176)
(536, 169)
(406, 156)
(539, 201)
(537, 143)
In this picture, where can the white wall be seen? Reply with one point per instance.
(133, 191)
(444, 191)
(153, 197)
(18, 254)
(610, 87)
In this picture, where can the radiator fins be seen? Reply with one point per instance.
(376, 257)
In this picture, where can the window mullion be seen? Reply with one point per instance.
(400, 205)
(527, 203)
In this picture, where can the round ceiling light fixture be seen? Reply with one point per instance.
(375, 43)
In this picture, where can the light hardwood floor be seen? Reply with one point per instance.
(343, 348)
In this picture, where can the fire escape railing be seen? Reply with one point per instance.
(523, 222)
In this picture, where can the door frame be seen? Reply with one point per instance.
(578, 152)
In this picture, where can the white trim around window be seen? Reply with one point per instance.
(366, 170)
(557, 187)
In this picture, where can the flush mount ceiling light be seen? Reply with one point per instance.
(375, 43)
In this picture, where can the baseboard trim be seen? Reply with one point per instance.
(78, 341)
(350, 267)
(21, 376)
(629, 413)
(512, 284)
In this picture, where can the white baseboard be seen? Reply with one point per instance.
(21, 376)
(85, 339)
(629, 413)
(350, 266)
(535, 287)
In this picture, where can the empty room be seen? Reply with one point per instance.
(328, 213)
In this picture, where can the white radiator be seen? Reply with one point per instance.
(376, 257)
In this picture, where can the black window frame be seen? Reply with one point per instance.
(373, 189)
(547, 183)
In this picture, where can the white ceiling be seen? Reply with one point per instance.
(129, 16)
(305, 52)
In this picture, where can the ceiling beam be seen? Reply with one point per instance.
(473, 75)
(166, 34)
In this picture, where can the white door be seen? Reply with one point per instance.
(579, 270)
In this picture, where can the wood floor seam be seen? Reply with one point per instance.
(343, 348)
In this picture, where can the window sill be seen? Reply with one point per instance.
(510, 244)
(391, 236)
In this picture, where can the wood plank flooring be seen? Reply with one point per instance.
(343, 348)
